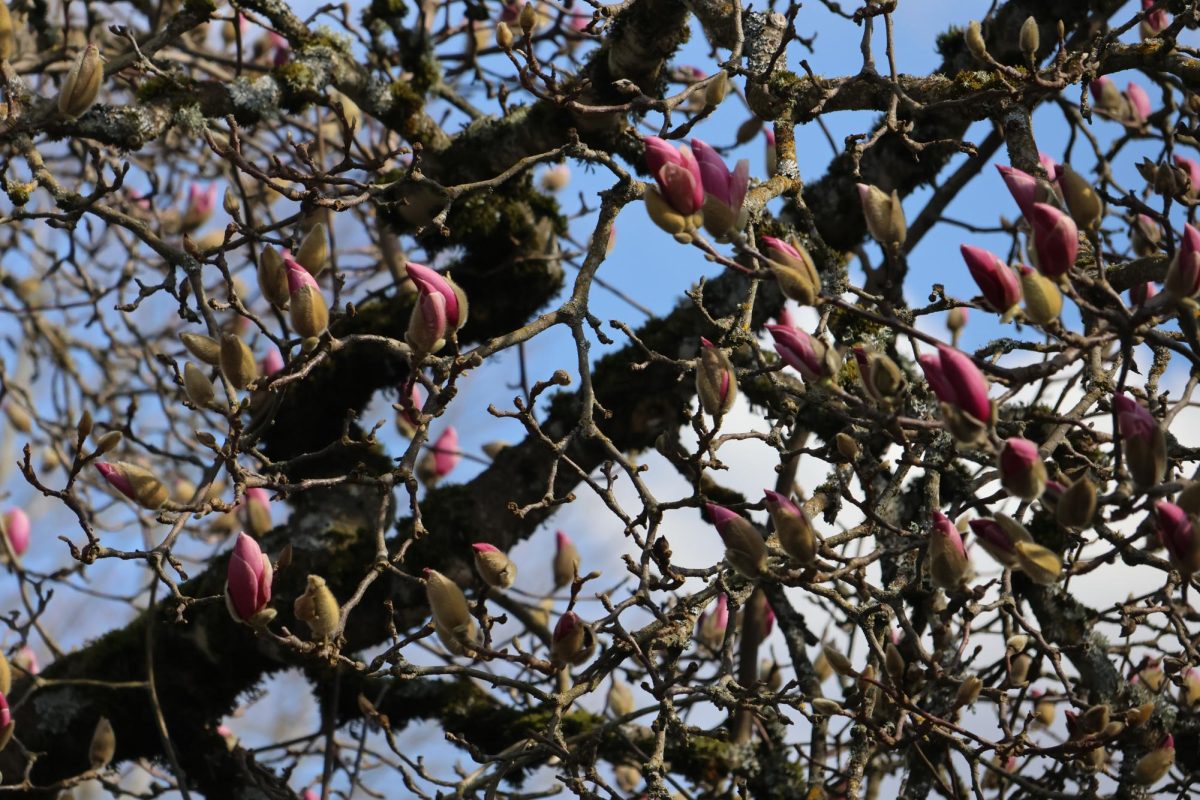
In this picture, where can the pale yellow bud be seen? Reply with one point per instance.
(5, 675)
(81, 87)
(620, 698)
(107, 442)
(1030, 39)
(504, 37)
(1041, 564)
(716, 90)
(18, 417)
(103, 745)
(8, 38)
(496, 568)
(313, 252)
(451, 615)
(318, 608)
(272, 278)
(237, 361)
(968, 691)
(974, 40)
(309, 313)
(1043, 300)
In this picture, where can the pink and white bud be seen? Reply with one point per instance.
(1192, 168)
(999, 283)
(495, 568)
(566, 560)
(137, 483)
(995, 540)
(272, 362)
(26, 660)
(446, 453)
(1139, 103)
(793, 527)
(745, 549)
(309, 313)
(711, 629)
(1022, 471)
(716, 384)
(1183, 276)
(428, 326)
(430, 282)
(248, 585)
(15, 524)
(1140, 294)
(1107, 96)
(1144, 442)
(1155, 22)
(1055, 240)
(794, 269)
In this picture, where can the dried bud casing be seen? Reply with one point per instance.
(237, 361)
(199, 388)
(202, 347)
(313, 252)
(318, 608)
(103, 745)
(81, 87)
(272, 278)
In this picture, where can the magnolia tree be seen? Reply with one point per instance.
(235, 236)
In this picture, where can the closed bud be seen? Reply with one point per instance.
(18, 417)
(667, 218)
(716, 383)
(1076, 506)
(230, 202)
(1178, 533)
(237, 361)
(826, 707)
(496, 568)
(716, 90)
(793, 527)
(5, 675)
(772, 675)
(573, 641)
(998, 539)
(1183, 276)
(1043, 300)
(808, 355)
(504, 37)
(8, 38)
(974, 41)
(83, 428)
(1044, 713)
(556, 178)
(566, 560)
(137, 483)
(1136, 717)
(1145, 235)
(711, 629)
(968, 691)
(528, 18)
(309, 313)
(107, 442)
(256, 511)
(199, 388)
(847, 446)
(1189, 689)
(1016, 643)
(620, 697)
(318, 608)
(882, 379)
(884, 215)
(745, 549)
(1095, 719)
(1108, 97)
(81, 87)
(249, 582)
(1029, 40)
(893, 662)
(747, 131)
(1055, 240)
(793, 267)
(103, 745)
(628, 777)
(838, 661)
(1189, 498)
(956, 320)
(1018, 674)
(1085, 205)
(1022, 471)
(272, 278)
(1154, 766)
(947, 555)
(1144, 442)
(202, 347)
(313, 252)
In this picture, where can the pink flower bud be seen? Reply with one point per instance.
(1193, 170)
(711, 629)
(1049, 165)
(947, 555)
(727, 190)
(566, 560)
(1177, 532)
(248, 586)
(1140, 294)
(272, 362)
(573, 641)
(257, 511)
(716, 385)
(994, 540)
(280, 49)
(1022, 186)
(1183, 276)
(1139, 102)
(200, 205)
(1133, 420)
(1000, 285)
(792, 526)
(745, 549)
(137, 483)
(1106, 96)
(1056, 239)
(1156, 21)
(309, 313)
(677, 173)
(808, 356)
(496, 569)
(26, 659)
(957, 382)
(5, 713)
(1145, 445)
(1022, 471)
(772, 157)
(16, 527)
(427, 327)
(446, 452)
(429, 282)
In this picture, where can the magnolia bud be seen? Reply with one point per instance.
(1044, 713)
(257, 511)
(504, 37)
(1030, 39)
(793, 267)
(956, 320)
(1038, 562)
(272, 278)
(1076, 506)
(1022, 471)
(968, 691)
(667, 218)
(103, 746)
(81, 87)
(199, 388)
(620, 697)
(230, 202)
(18, 417)
(202, 347)
(314, 250)
(716, 383)
(528, 18)
(8, 39)
(826, 707)
(793, 527)
(309, 313)
(137, 483)
(628, 777)
(83, 428)
(1085, 205)
(5, 675)
(451, 615)
(237, 361)
(974, 41)
(947, 556)
(318, 608)
(496, 568)
(745, 549)
(1019, 672)
(1154, 766)
(1043, 300)
(711, 630)
(566, 560)
(573, 641)
(847, 446)
(893, 662)
(1144, 442)
(884, 215)
(838, 662)
(716, 90)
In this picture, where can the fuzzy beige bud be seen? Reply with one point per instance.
(528, 18)
(884, 215)
(230, 202)
(313, 252)
(504, 37)
(5, 676)
(309, 312)
(272, 278)
(81, 87)
(237, 361)
(716, 383)
(716, 90)
(103, 745)
(974, 41)
(1076, 507)
(826, 707)
(620, 698)
(18, 417)
(1041, 564)
(199, 388)
(1030, 39)
(840, 664)
(318, 608)
(1043, 300)
(496, 568)
(107, 442)
(1085, 205)
(968, 691)
(452, 618)
(202, 347)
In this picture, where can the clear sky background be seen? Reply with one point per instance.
(650, 267)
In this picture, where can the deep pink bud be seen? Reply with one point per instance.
(1133, 420)
(202, 199)
(677, 173)
(969, 386)
(16, 525)
(1140, 294)
(116, 478)
(1156, 21)
(1139, 101)
(720, 612)
(728, 188)
(1022, 186)
(721, 516)
(1055, 238)
(309, 794)
(1175, 530)
(446, 453)
(566, 625)
(272, 362)
(942, 526)
(429, 282)
(248, 586)
(1049, 165)
(993, 536)
(785, 249)
(1018, 455)
(1098, 86)
(932, 366)
(1183, 277)
(799, 351)
(484, 547)
(999, 282)
(297, 276)
(281, 49)
(780, 502)
(768, 619)
(1022, 471)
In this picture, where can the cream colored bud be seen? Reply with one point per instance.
(272, 278)
(1085, 205)
(504, 37)
(1017, 642)
(716, 383)
(1095, 719)
(1041, 564)
(968, 691)
(566, 562)
(5, 676)
(199, 388)
(309, 312)
(493, 449)
(81, 87)
(237, 361)
(974, 40)
(496, 568)
(1043, 300)
(451, 615)
(230, 202)
(1030, 39)
(884, 215)
(202, 347)
(847, 446)
(840, 664)
(1019, 674)
(826, 707)
(18, 417)
(716, 90)
(1076, 506)
(313, 252)
(528, 18)
(318, 608)
(620, 698)
(107, 442)
(103, 745)
(1044, 713)
(1154, 766)
(628, 777)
